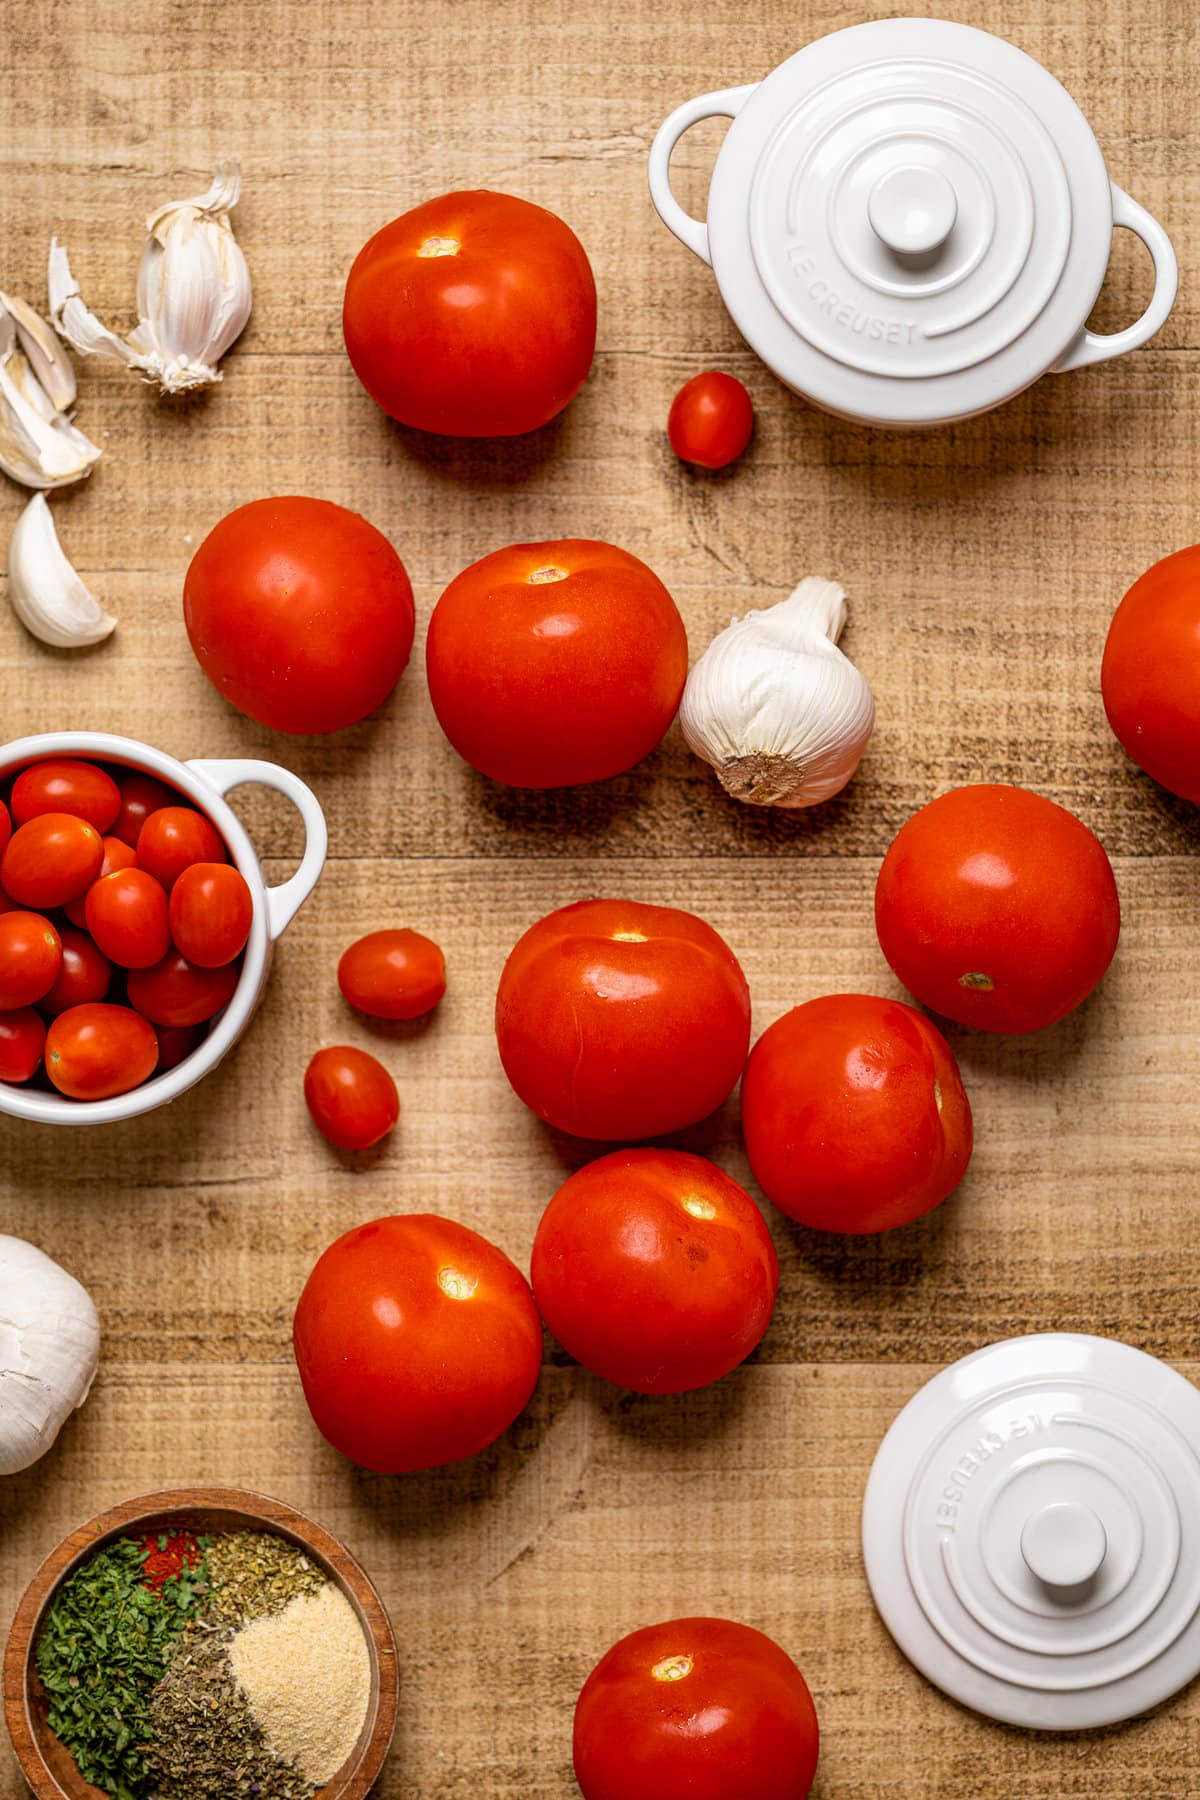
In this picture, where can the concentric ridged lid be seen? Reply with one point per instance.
(1031, 1531)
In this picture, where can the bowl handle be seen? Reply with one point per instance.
(725, 105)
(1096, 346)
(284, 901)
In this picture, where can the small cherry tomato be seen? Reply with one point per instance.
(51, 859)
(117, 855)
(176, 992)
(94, 1052)
(211, 914)
(30, 958)
(127, 915)
(78, 788)
(350, 1096)
(696, 1709)
(393, 974)
(553, 664)
(172, 839)
(619, 1020)
(176, 1043)
(1150, 676)
(22, 1035)
(140, 796)
(997, 908)
(417, 1342)
(85, 975)
(654, 1269)
(854, 1114)
(711, 420)
(5, 827)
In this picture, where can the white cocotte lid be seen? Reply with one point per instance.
(1031, 1531)
(910, 221)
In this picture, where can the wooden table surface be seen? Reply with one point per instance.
(982, 565)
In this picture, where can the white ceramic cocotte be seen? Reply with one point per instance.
(205, 784)
(1031, 1531)
(910, 221)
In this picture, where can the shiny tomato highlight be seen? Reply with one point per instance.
(654, 1269)
(696, 1709)
(557, 663)
(351, 1098)
(50, 860)
(30, 958)
(66, 786)
(22, 1035)
(1150, 675)
(854, 1114)
(615, 1019)
(473, 315)
(393, 975)
(94, 1052)
(417, 1343)
(711, 420)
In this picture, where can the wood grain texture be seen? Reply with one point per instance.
(982, 565)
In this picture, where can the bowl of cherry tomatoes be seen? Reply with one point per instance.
(136, 926)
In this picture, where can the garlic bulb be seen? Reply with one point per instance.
(47, 595)
(774, 706)
(193, 293)
(39, 446)
(49, 1349)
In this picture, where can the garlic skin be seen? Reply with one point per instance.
(49, 1351)
(39, 446)
(47, 595)
(775, 707)
(193, 293)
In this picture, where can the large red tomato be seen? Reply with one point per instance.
(696, 1709)
(473, 315)
(854, 1114)
(417, 1342)
(1150, 675)
(300, 613)
(552, 664)
(997, 908)
(654, 1269)
(619, 1020)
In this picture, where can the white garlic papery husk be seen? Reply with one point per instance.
(47, 595)
(193, 293)
(39, 446)
(49, 1351)
(775, 707)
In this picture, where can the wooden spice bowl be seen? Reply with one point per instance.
(48, 1766)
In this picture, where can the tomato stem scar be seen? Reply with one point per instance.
(629, 937)
(699, 1209)
(439, 246)
(937, 1095)
(549, 573)
(456, 1285)
(984, 983)
(672, 1668)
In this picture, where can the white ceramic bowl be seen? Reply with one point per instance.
(205, 784)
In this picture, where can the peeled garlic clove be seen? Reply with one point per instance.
(775, 707)
(38, 446)
(47, 595)
(44, 352)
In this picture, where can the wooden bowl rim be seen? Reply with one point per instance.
(268, 1512)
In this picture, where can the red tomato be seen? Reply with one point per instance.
(300, 613)
(393, 974)
(78, 788)
(127, 915)
(176, 992)
(697, 1709)
(711, 420)
(620, 1020)
(654, 1269)
(417, 1342)
(997, 908)
(552, 664)
(351, 1098)
(94, 1052)
(473, 315)
(5, 827)
(30, 958)
(176, 1043)
(211, 914)
(22, 1035)
(140, 796)
(51, 859)
(172, 839)
(854, 1114)
(117, 855)
(85, 974)
(1150, 676)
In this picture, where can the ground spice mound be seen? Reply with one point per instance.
(206, 1743)
(306, 1675)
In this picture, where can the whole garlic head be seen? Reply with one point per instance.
(775, 707)
(49, 1350)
